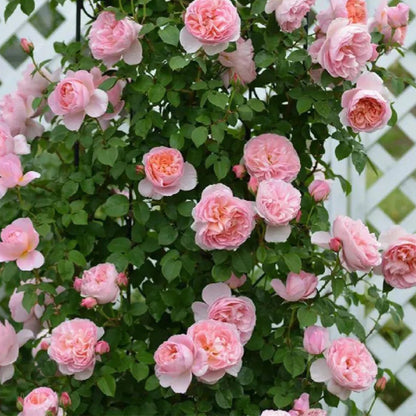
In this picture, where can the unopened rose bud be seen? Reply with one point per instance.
(77, 284)
(65, 400)
(139, 169)
(380, 385)
(234, 282)
(51, 412)
(298, 216)
(26, 46)
(102, 347)
(19, 404)
(122, 280)
(375, 54)
(89, 303)
(239, 171)
(253, 184)
(44, 345)
(335, 244)
(319, 189)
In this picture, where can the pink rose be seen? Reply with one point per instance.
(166, 173)
(11, 174)
(40, 401)
(72, 347)
(9, 144)
(114, 97)
(271, 156)
(219, 305)
(239, 171)
(278, 203)
(345, 50)
(319, 189)
(235, 282)
(315, 340)
(301, 407)
(221, 220)
(176, 359)
(111, 40)
(366, 108)
(76, 96)
(65, 400)
(399, 257)
(347, 366)
(27, 46)
(359, 246)
(102, 347)
(33, 86)
(298, 286)
(100, 283)
(210, 24)
(274, 413)
(242, 68)
(289, 13)
(9, 348)
(219, 345)
(19, 241)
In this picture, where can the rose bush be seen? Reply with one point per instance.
(180, 148)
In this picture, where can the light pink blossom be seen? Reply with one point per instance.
(235, 282)
(301, 407)
(166, 173)
(220, 305)
(12, 144)
(278, 203)
(102, 347)
(112, 40)
(319, 189)
(271, 156)
(221, 220)
(40, 402)
(210, 24)
(75, 97)
(242, 68)
(298, 286)
(315, 339)
(72, 347)
(19, 241)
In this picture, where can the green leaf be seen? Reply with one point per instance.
(264, 59)
(77, 258)
(156, 93)
(27, 6)
(359, 160)
(222, 167)
(107, 385)
(30, 298)
(10, 8)
(152, 383)
(167, 235)
(171, 269)
(80, 218)
(116, 206)
(139, 371)
(256, 105)
(107, 156)
(298, 55)
(224, 398)
(293, 261)
(169, 35)
(136, 256)
(141, 212)
(306, 316)
(108, 84)
(304, 104)
(218, 99)
(199, 135)
(337, 287)
(119, 245)
(294, 362)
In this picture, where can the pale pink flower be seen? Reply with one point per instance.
(366, 108)
(75, 97)
(345, 50)
(221, 220)
(176, 359)
(301, 407)
(399, 257)
(40, 402)
(239, 171)
(12, 144)
(347, 366)
(298, 286)
(89, 303)
(27, 46)
(210, 24)
(315, 339)
(11, 174)
(72, 347)
(289, 13)
(274, 413)
(166, 173)
(19, 241)
(278, 203)
(65, 400)
(220, 346)
(359, 246)
(99, 283)
(33, 86)
(253, 185)
(112, 40)
(102, 347)
(380, 385)
(319, 189)
(220, 305)
(242, 68)
(9, 348)
(235, 282)
(271, 156)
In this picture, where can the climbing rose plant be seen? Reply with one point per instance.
(165, 247)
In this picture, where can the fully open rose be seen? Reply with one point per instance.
(41, 401)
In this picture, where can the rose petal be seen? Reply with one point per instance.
(320, 371)
(277, 234)
(98, 104)
(24, 335)
(214, 49)
(189, 42)
(134, 54)
(29, 177)
(200, 310)
(214, 291)
(73, 121)
(321, 239)
(30, 261)
(189, 178)
(6, 373)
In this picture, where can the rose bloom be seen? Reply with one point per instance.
(40, 401)
(347, 366)
(242, 68)
(210, 24)
(100, 282)
(221, 220)
(278, 203)
(9, 348)
(11, 174)
(301, 407)
(289, 13)
(366, 108)
(219, 345)
(274, 413)
(72, 347)
(12, 144)
(220, 305)
(76, 96)
(359, 246)
(345, 50)
(399, 257)
(176, 359)
(298, 286)
(111, 40)
(271, 156)
(166, 173)
(319, 189)
(19, 241)
(315, 339)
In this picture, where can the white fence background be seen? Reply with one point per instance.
(395, 185)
